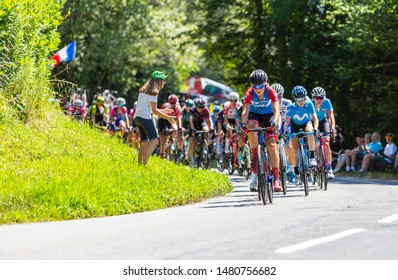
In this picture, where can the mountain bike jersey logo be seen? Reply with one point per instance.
(303, 117)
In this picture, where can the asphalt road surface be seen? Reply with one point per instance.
(353, 220)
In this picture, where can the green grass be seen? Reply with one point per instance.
(58, 169)
(369, 175)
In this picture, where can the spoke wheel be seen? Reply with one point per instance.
(282, 168)
(262, 175)
(303, 171)
(323, 170)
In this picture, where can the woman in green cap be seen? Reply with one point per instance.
(146, 106)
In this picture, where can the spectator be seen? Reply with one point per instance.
(386, 157)
(359, 151)
(347, 153)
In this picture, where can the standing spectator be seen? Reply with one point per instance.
(146, 106)
(386, 157)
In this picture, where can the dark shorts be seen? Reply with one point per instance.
(261, 119)
(296, 128)
(147, 129)
(324, 127)
(162, 125)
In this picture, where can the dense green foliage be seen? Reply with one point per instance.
(348, 47)
(28, 33)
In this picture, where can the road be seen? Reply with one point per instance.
(353, 220)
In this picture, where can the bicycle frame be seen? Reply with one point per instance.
(303, 156)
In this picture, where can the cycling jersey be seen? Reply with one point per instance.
(301, 115)
(77, 111)
(185, 118)
(263, 106)
(323, 110)
(200, 117)
(175, 109)
(231, 112)
(285, 103)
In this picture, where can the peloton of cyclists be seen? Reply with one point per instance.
(327, 123)
(301, 115)
(261, 107)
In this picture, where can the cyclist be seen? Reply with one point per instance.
(77, 110)
(261, 107)
(186, 112)
(230, 110)
(64, 104)
(99, 111)
(284, 105)
(133, 137)
(327, 123)
(199, 119)
(214, 115)
(118, 116)
(170, 108)
(301, 115)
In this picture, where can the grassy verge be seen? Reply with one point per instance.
(58, 169)
(369, 175)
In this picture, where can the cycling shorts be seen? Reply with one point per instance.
(147, 129)
(324, 127)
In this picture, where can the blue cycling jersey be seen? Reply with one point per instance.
(301, 115)
(322, 112)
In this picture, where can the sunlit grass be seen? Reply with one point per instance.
(59, 169)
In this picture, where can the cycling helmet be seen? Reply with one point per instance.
(278, 88)
(199, 102)
(135, 104)
(299, 92)
(189, 103)
(318, 91)
(120, 102)
(100, 99)
(173, 99)
(233, 96)
(216, 109)
(78, 103)
(258, 77)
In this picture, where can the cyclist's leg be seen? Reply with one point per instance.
(311, 144)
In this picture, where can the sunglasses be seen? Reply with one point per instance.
(233, 100)
(259, 86)
(300, 100)
(318, 97)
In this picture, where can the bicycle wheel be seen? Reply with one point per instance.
(303, 171)
(230, 164)
(205, 155)
(323, 170)
(246, 163)
(173, 151)
(262, 175)
(282, 167)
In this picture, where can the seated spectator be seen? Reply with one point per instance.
(351, 155)
(386, 157)
(359, 151)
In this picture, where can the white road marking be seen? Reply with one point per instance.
(314, 242)
(389, 219)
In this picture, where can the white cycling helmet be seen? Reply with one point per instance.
(135, 104)
(120, 102)
(78, 103)
(318, 91)
(233, 96)
(278, 88)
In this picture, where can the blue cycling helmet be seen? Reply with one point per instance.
(299, 92)
(216, 109)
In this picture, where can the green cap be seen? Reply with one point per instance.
(158, 75)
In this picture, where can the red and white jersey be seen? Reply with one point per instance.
(231, 111)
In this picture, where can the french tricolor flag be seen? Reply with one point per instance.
(65, 54)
